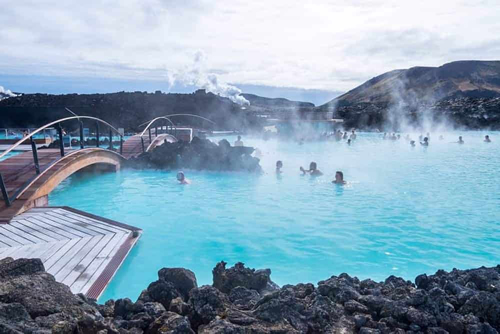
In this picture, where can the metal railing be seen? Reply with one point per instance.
(172, 130)
(9, 199)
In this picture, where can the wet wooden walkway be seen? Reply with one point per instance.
(81, 250)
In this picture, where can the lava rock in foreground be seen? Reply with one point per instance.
(199, 154)
(244, 300)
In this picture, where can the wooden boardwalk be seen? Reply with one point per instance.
(81, 250)
(132, 147)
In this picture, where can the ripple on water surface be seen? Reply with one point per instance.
(406, 211)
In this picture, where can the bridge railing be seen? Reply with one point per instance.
(170, 129)
(30, 137)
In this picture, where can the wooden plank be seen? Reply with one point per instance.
(88, 223)
(22, 234)
(69, 255)
(75, 260)
(98, 264)
(68, 225)
(95, 222)
(81, 268)
(5, 239)
(14, 236)
(42, 228)
(63, 250)
(33, 232)
(55, 246)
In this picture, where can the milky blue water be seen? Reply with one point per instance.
(404, 212)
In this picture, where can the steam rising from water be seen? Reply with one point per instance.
(197, 75)
(6, 92)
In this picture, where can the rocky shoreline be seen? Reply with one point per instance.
(243, 300)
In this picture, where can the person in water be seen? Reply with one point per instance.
(460, 140)
(412, 143)
(279, 165)
(487, 139)
(353, 135)
(349, 142)
(238, 142)
(182, 178)
(425, 142)
(313, 170)
(339, 178)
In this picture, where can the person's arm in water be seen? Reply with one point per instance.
(303, 170)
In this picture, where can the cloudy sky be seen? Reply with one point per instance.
(283, 47)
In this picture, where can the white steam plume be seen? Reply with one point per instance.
(197, 75)
(6, 92)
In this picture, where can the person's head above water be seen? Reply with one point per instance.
(181, 177)
(313, 166)
(279, 164)
(239, 137)
(339, 178)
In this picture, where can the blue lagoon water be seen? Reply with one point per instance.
(404, 212)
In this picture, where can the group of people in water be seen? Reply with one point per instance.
(424, 141)
(339, 135)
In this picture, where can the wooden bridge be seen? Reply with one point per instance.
(27, 178)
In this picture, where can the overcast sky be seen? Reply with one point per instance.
(323, 45)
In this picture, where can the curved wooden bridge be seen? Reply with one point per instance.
(26, 179)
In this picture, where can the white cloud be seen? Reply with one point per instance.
(333, 45)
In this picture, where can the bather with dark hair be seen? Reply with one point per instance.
(313, 170)
(339, 178)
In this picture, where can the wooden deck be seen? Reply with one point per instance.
(81, 250)
(132, 147)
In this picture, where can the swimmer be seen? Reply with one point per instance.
(279, 165)
(339, 178)
(487, 139)
(182, 179)
(412, 143)
(313, 170)
(345, 135)
(425, 142)
(353, 135)
(349, 142)
(460, 140)
(238, 142)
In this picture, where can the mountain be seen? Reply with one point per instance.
(275, 103)
(462, 94)
(126, 110)
(477, 79)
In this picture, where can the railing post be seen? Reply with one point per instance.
(121, 144)
(110, 139)
(35, 155)
(4, 191)
(97, 134)
(61, 143)
(156, 131)
(82, 144)
(149, 131)
(142, 142)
